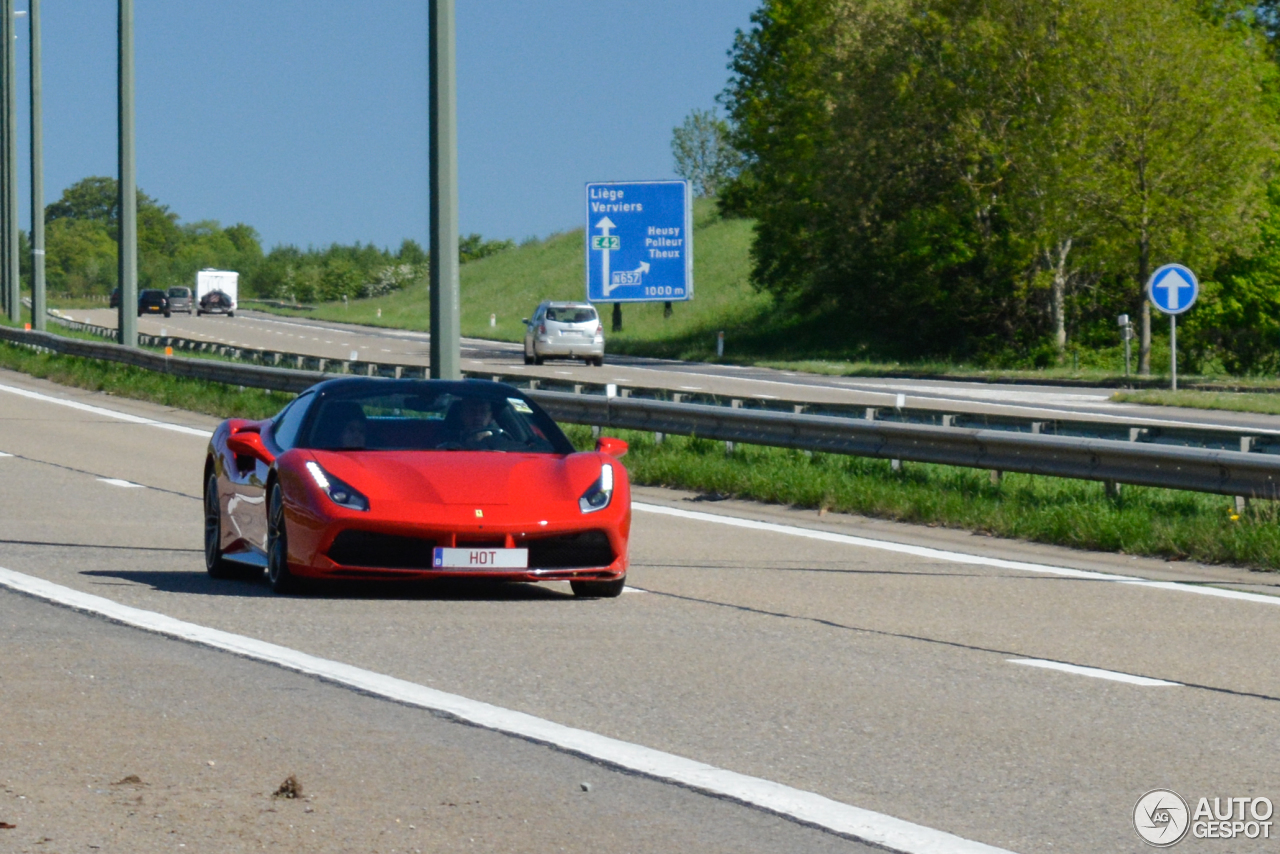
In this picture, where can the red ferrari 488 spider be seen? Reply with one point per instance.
(367, 478)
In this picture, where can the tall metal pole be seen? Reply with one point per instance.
(1173, 352)
(37, 173)
(128, 200)
(445, 304)
(12, 257)
(6, 132)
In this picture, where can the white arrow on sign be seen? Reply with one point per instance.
(1173, 283)
(605, 225)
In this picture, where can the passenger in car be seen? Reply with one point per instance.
(342, 426)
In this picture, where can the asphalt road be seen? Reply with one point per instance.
(338, 341)
(871, 663)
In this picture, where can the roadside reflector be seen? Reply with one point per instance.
(168, 351)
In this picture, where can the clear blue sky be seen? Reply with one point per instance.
(308, 118)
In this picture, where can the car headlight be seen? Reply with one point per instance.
(339, 492)
(600, 493)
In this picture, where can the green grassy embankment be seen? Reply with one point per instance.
(1266, 403)
(510, 285)
(1143, 521)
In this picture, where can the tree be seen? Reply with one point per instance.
(949, 176)
(1181, 135)
(704, 156)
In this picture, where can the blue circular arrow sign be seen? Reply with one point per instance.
(1173, 289)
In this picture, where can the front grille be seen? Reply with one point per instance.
(570, 551)
(386, 551)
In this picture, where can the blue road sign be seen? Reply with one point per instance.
(1173, 289)
(639, 242)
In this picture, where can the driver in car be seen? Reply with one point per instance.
(474, 427)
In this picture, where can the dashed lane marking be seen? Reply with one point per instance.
(115, 481)
(1096, 673)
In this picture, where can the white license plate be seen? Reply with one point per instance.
(481, 559)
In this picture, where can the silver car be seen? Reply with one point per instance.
(180, 299)
(564, 330)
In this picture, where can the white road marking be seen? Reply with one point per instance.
(806, 807)
(1095, 672)
(115, 481)
(108, 413)
(951, 557)
(3, 454)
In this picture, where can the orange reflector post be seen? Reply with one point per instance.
(168, 351)
(26, 326)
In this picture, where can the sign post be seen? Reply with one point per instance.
(1173, 289)
(639, 242)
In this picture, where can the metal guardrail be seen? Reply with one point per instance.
(1195, 469)
(1145, 431)
(1225, 472)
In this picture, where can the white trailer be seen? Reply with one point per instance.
(216, 292)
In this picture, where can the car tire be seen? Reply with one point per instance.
(199, 314)
(598, 589)
(231, 314)
(278, 574)
(166, 314)
(214, 563)
(528, 360)
(599, 361)
(537, 360)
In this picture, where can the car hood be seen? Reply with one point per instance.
(475, 478)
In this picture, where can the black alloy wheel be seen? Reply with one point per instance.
(278, 575)
(213, 561)
(598, 589)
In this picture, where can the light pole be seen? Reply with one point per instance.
(13, 298)
(37, 174)
(6, 82)
(445, 303)
(127, 179)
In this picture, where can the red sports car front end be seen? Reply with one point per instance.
(493, 505)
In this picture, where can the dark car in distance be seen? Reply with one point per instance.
(180, 300)
(153, 302)
(115, 299)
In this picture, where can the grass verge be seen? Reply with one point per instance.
(1143, 521)
(1268, 404)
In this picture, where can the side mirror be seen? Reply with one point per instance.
(612, 447)
(247, 444)
(525, 321)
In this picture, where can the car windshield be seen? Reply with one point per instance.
(426, 416)
(179, 292)
(572, 314)
(153, 294)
